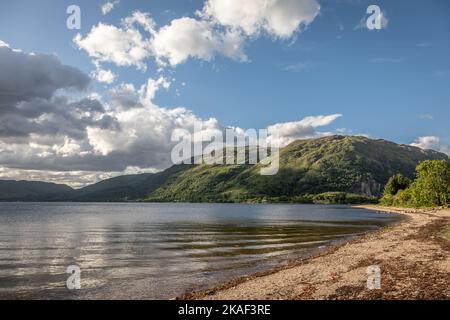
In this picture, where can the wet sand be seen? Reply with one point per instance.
(413, 255)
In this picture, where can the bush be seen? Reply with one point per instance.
(387, 200)
(404, 197)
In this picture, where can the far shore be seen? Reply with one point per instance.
(413, 255)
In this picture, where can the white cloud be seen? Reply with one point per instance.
(148, 91)
(431, 143)
(145, 134)
(109, 6)
(280, 18)
(190, 38)
(303, 129)
(122, 46)
(174, 43)
(104, 76)
(39, 95)
(70, 148)
(319, 121)
(220, 28)
(141, 19)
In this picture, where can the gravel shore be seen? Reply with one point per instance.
(413, 256)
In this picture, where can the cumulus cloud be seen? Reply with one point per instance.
(34, 97)
(40, 120)
(29, 76)
(173, 44)
(104, 76)
(220, 28)
(124, 46)
(3, 44)
(148, 91)
(303, 129)
(190, 38)
(56, 116)
(142, 19)
(42, 129)
(431, 143)
(108, 7)
(280, 18)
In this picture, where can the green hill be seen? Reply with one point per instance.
(355, 165)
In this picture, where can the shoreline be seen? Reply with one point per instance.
(413, 257)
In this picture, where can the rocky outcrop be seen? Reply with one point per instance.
(370, 188)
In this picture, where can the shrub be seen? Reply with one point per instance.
(404, 197)
(387, 200)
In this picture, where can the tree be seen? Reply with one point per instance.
(432, 186)
(395, 184)
(430, 189)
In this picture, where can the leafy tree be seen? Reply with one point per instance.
(432, 186)
(395, 184)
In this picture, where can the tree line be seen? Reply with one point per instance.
(431, 187)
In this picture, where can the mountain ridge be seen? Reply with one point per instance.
(350, 164)
(313, 166)
(18, 190)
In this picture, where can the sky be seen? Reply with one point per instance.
(81, 105)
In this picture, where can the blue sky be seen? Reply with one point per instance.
(391, 83)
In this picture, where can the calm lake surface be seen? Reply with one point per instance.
(158, 251)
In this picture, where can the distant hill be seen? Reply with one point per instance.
(123, 188)
(356, 165)
(30, 190)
